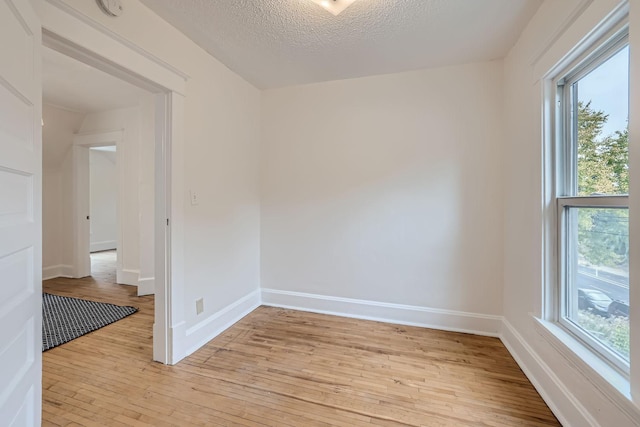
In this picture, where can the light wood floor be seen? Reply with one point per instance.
(282, 368)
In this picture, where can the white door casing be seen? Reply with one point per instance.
(78, 35)
(20, 215)
(81, 199)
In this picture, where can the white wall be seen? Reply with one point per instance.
(578, 396)
(387, 189)
(57, 138)
(103, 200)
(219, 161)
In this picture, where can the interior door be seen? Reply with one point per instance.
(81, 203)
(20, 215)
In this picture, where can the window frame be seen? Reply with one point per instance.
(566, 189)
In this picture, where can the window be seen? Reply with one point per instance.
(591, 196)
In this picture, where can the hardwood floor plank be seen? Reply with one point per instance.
(281, 367)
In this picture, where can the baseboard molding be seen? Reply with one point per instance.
(448, 320)
(54, 271)
(146, 286)
(128, 277)
(569, 411)
(174, 337)
(212, 326)
(107, 245)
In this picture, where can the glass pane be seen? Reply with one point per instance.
(598, 275)
(602, 133)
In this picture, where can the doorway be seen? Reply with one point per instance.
(156, 157)
(103, 202)
(98, 135)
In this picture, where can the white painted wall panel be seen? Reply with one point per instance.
(387, 188)
(16, 195)
(19, 267)
(52, 235)
(26, 410)
(57, 234)
(18, 352)
(14, 111)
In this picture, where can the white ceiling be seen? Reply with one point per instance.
(275, 43)
(75, 86)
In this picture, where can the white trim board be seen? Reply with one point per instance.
(54, 271)
(446, 320)
(560, 400)
(146, 286)
(65, 22)
(99, 138)
(129, 277)
(216, 323)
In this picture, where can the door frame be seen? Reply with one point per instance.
(80, 174)
(65, 30)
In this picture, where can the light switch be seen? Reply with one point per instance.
(194, 198)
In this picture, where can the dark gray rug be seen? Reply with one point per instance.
(65, 319)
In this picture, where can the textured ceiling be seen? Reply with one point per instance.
(75, 86)
(275, 43)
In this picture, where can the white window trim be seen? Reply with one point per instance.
(575, 344)
(565, 182)
(602, 375)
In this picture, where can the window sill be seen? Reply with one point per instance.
(605, 378)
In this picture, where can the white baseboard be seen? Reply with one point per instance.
(128, 277)
(107, 245)
(54, 271)
(146, 286)
(562, 402)
(213, 325)
(448, 320)
(175, 336)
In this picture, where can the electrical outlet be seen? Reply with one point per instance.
(199, 306)
(194, 198)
